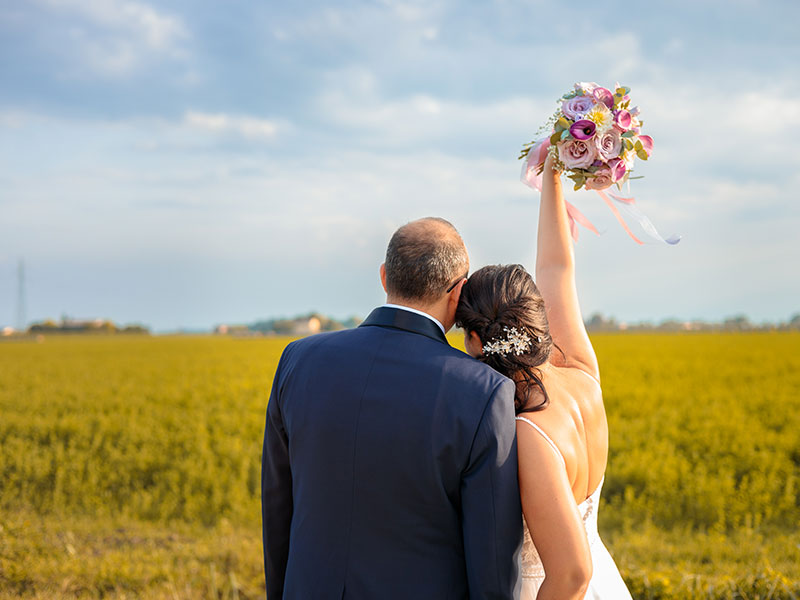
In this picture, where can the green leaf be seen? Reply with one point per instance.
(638, 145)
(563, 123)
(627, 143)
(628, 134)
(578, 185)
(641, 154)
(565, 135)
(555, 138)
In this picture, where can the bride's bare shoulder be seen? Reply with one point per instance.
(573, 372)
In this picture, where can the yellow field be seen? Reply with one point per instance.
(129, 466)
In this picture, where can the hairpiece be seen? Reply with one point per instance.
(514, 342)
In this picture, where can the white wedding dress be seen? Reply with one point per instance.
(606, 582)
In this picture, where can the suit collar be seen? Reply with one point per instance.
(397, 318)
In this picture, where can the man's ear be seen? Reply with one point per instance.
(455, 295)
(383, 277)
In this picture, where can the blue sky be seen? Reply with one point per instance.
(183, 163)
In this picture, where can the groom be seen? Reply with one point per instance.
(390, 464)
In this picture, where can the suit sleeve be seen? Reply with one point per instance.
(276, 492)
(491, 509)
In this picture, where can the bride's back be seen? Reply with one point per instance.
(575, 420)
(542, 348)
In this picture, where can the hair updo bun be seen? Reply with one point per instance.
(496, 299)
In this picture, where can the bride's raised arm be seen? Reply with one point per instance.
(555, 278)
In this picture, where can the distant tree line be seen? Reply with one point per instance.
(99, 326)
(288, 326)
(307, 324)
(598, 322)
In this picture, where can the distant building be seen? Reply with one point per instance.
(235, 330)
(308, 326)
(303, 325)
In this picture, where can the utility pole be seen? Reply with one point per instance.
(21, 318)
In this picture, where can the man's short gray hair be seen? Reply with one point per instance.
(424, 258)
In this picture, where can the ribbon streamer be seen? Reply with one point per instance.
(629, 205)
(537, 155)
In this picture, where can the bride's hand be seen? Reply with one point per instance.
(549, 165)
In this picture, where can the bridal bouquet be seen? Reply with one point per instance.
(595, 136)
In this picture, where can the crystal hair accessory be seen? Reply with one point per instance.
(515, 342)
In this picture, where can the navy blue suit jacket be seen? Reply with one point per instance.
(389, 468)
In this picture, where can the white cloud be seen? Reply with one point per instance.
(124, 33)
(12, 119)
(156, 30)
(354, 103)
(249, 127)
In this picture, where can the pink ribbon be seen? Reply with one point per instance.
(619, 216)
(629, 206)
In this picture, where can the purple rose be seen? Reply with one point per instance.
(576, 154)
(623, 119)
(603, 95)
(583, 129)
(601, 180)
(576, 107)
(617, 168)
(609, 144)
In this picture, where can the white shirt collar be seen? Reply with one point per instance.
(419, 312)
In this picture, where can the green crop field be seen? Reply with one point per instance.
(129, 466)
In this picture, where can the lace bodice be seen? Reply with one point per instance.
(531, 564)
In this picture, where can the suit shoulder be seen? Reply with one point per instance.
(312, 343)
(306, 344)
(479, 368)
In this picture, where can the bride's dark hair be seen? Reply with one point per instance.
(499, 296)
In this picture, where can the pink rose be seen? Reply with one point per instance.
(601, 180)
(609, 144)
(576, 107)
(618, 168)
(577, 154)
(603, 95)
(623, 119)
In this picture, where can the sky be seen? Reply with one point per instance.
(188, 163)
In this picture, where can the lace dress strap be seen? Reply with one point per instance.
(546, 437)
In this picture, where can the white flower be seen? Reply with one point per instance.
(515, 341)
(585, 87)
(600, 116)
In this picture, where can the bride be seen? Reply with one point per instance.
(537, 338)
